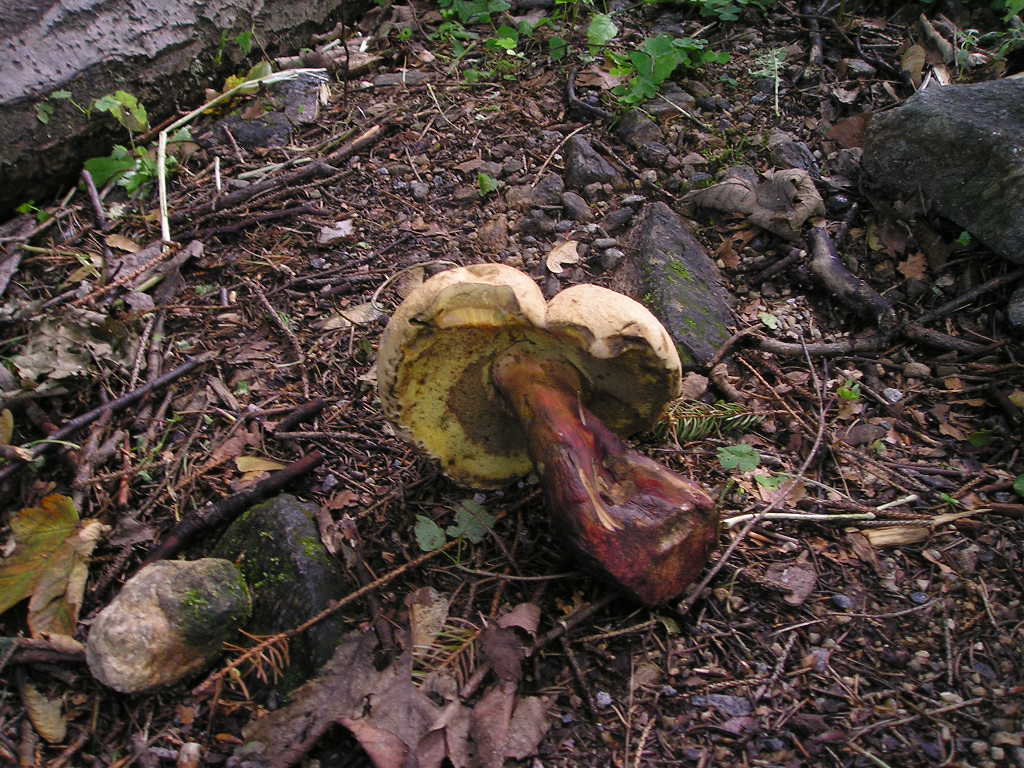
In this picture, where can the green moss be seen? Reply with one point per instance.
(676, 269)
(314, 549)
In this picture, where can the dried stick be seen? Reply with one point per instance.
(114, 405)
(849, 289)
(227, 509)
(300, 356)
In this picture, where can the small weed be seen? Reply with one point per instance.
(849, 391)
(653, 63)
(487, 184)
(770, 66)
(743, 457)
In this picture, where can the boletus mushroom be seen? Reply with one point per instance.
(492, 380)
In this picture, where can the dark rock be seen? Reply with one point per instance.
(270, 130)
(602, 243)
(617, 219)
(493, 235)
(787, 152)
(299, 99)
(576, 207)
(654, 154)
(610, 258)
(842, 602)
(549, 190)
(536, 223)
(677, 281)
(959, 148)
(669, 101)
(584, 166)
(594, 192)
(292, 578)
(919, 598)
(169, 620)
(700, 178)
(636, 129)
(838, 203)
(733, 706)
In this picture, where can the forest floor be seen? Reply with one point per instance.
(847, 642)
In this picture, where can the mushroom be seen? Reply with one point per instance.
(476, 368)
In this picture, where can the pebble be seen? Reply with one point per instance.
(918, 598)
(318, 262)
(633, 199)
(576, 207)
(603, 699)
(610, 259)
(838, 203)
(419, 190)
(892, 395)
(917, 370)
(617, 219)
(842, 602)
(603, 243)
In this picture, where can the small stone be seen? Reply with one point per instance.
(633, 200)
(493, 235)
(168, 621)
(419, 190)
(979, 747)
(584, 166)
(602, 243)
(892, 395)
(549, 190)
(997, 754)
(617, 219)
(610, 259)
(1015, 309)
(838, 203)
(918, 598)
(603, 700)
(593, 192)
(318, 262)
(466, 193)
(536, 223)
(842, 602)
(576, 207)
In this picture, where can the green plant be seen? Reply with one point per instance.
(472, 522)
(727, 10)
(125, 108)
(134, 169)
(653, 63)
(31, 207)
(743, 457)
(1018, 486)
(850, 390)
(692, 419)
(770, 65)
(487, 184)
(472, 11)
(601, 31)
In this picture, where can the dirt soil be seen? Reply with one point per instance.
(892, 641)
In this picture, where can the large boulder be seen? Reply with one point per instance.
(163, 53)
(961, 149)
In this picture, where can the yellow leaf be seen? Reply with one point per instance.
(256, 464)
(49, 564)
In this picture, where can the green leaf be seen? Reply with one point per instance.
(244, 41)
(771, 482)
(44, 112)
(601, 30)
(124, 108)
(429, 535)
(743, 457)
(557, 48)
(472, 522)
(981, 438)
(103, 169)
(849, 391)
(61, 95)
(1018, 486)
(487, 184)
(771, 321)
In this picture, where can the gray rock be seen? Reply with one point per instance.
(961, 149)
(536, 223)
(679, 283)
(169, 621)
(610, 258)
(670, 100)
(576, 207)
(292, 578)
(419, 190)
(787, 152)
(602, 243)
(272, 129)
(584, 166)
(1015, 309)
(549, 190)
(493, 234)
(636, 129)
(617, 219)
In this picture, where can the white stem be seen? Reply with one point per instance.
(731, 521)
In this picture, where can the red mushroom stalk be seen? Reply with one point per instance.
(494, 381)
(630, 519)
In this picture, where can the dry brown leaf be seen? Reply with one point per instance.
(896, 535)
(428, 612)
(6, 427)
(45, 714)
(915, 267)
(123, 243)
(257, 464)
(562, 254)
(912, 63)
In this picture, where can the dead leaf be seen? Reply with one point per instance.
(525, 616)
(895, 535)
(912, 63)
(45, 714)
(257, 464)
(915, 267)
(428, 612)
(123, 243)
(6, 427)
(849, 133)
(562, 254)
(338, 231)
(798, 579)
(49, 564)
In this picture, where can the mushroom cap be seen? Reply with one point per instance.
(435, 358)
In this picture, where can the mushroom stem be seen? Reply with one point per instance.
(638, 524)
